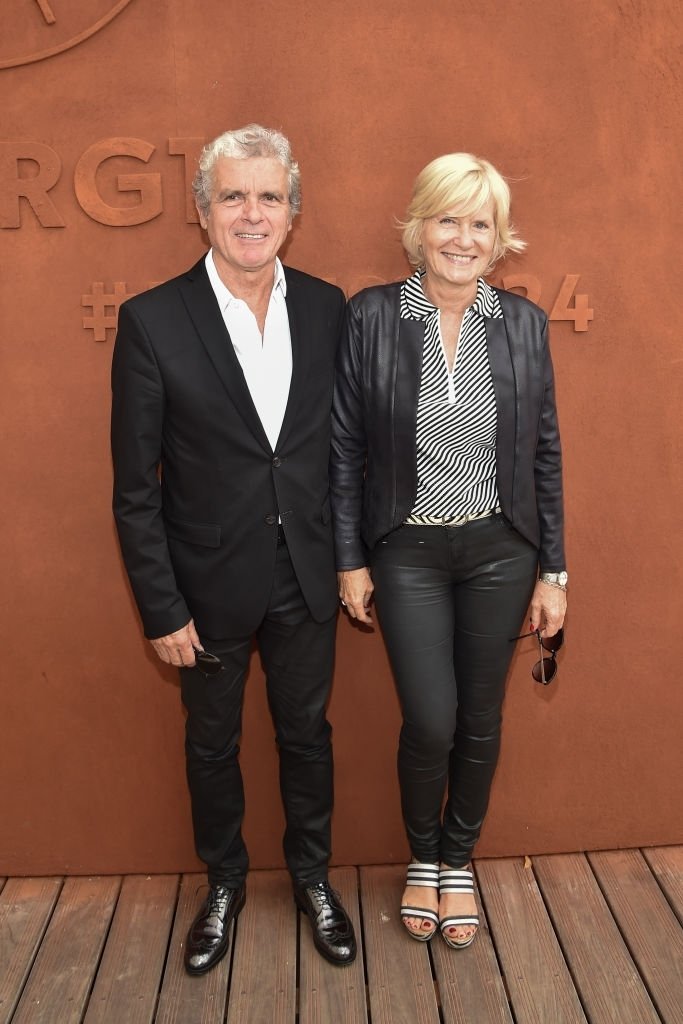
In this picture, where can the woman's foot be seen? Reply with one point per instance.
(458, 914)
(420, 903)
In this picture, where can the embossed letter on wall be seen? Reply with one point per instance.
(28, 170)
(148, 185)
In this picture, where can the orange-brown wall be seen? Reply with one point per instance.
(578, 104)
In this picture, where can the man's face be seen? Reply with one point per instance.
(249, 215)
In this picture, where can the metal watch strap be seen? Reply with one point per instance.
(555, 579)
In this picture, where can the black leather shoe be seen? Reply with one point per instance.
(332, 929)
(208, 938)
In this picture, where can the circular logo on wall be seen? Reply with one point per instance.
(32, 30)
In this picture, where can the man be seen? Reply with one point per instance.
(222, 386)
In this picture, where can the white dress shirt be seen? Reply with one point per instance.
(266, 361)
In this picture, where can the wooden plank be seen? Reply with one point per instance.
(65, 965)
(470, 986)
(666, 863)
(128, 979)
(607, 980)
(401, 986)
(263, 982)
(183, 998)
(648, 925)
(25, 908)
(539, 985)
(327, 992)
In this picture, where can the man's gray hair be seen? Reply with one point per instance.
(241, 144)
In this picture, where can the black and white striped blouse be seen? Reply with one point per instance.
(456, 413)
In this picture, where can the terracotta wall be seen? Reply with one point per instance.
(103, 106)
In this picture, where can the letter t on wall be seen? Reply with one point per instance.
(190, 150)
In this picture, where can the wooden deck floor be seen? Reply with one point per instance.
(564, 939)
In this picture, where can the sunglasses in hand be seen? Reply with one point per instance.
(545, 670)
(208, 664)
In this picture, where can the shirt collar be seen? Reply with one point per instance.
(223, 293)
(418, 306)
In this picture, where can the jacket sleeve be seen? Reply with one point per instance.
(548, 471)
(349, 445)
(136, 437)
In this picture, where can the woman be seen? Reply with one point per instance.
(447, 502)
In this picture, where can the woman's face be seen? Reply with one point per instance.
(456, 247)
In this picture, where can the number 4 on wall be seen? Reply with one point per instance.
(580, 312)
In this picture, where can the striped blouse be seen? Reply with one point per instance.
(456, 412)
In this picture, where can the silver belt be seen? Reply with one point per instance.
(417, 520)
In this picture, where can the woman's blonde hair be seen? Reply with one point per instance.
(462, 182)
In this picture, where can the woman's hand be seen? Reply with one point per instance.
(355, 591)
(548, 608)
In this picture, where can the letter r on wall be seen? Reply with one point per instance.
(34, 187)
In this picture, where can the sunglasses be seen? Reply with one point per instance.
(208, 664)
(545, 670)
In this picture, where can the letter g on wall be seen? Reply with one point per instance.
(148, 185)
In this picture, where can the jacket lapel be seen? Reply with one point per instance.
(407, 389)
(300, 333)
(502, 372)
(202, 307)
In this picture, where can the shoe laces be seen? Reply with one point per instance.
(324, 893)
(216, 900)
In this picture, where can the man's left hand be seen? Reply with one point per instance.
(178, 648)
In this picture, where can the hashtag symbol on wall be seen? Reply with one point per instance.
(105, 307)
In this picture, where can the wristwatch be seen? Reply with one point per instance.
(555, 579)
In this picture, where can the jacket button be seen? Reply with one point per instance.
(277, 461)
(270, 519)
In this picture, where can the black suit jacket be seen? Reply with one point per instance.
(197, 486)
(374, 458)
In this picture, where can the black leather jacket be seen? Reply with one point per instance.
(374, 458)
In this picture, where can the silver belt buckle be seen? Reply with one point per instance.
(457, 520)
(450, 521)
(470, 517)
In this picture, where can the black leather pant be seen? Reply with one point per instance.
(298, 657)
(448, 600)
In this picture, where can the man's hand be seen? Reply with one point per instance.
(355, 591)
(178, 648)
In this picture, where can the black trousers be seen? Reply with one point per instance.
(298, 658)
(448, 600)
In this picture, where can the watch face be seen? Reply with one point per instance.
(562, 578)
